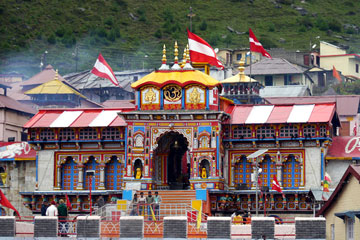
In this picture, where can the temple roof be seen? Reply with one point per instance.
(179, 77)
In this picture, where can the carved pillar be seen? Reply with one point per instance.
(279, 168)
(80, 184)
(58, 177)
(102, 177)
(301, 161)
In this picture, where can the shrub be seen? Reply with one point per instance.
(60, 32)
(321, 24)
(158, 33)
(101, 32)
(51, 39)
(335, 25)
(111, 36)
(203, 25)
(109, 21)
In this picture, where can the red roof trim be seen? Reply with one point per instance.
(172, 82)
(34, 119)
(341, 55)
(47, 119)
(350, 170)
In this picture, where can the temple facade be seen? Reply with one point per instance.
(182, 134)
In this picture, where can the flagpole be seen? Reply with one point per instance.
(249, 84)
(257, 186)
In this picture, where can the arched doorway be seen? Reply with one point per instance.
(171, 169)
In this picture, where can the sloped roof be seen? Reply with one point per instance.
(346, 105)
(44, 76)
(53, 87)
(353, 170)
(119, 103)
(284, 91)
(8, 102)
(272, 67)
(269, 114)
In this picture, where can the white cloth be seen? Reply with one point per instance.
(52, 211)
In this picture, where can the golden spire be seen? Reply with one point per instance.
(56, 75)
(241, 69)
(176, 53)
(187, 65)
(164, 55)
(164, 66)
(184, 58)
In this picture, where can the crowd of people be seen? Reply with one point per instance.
(60, 211)
(149, 205)
(239, 218)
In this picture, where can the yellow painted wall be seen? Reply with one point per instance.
(329, 49)
(346, 201)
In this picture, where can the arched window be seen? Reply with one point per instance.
(204, 164)
(69, 174)
(291, 173)
(92, 165)
(204, 141)
(243, 172)
(139, 141)
(138, 164)
(265, 132)
(88, 134)
(114, 174)
(47, 135)
(268, 171)
(67, 134)
(242, 132)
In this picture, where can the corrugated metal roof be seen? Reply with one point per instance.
(284, 91)
(272, 67)
(65, 119)
(242, 114)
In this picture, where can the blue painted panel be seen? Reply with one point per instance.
(207, 129)
(114, 175)
(201, 194)
(127, 195)
(141, 129)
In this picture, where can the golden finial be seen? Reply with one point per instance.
(184, 58)
(187, 53)
(56, 75)
(241, 69)
(176, 53)
(164, 55)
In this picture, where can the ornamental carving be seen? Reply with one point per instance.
(194, 96)
(150, 96)
(186, 132)
(172, 93)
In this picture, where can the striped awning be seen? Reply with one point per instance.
(271, 114)
(76, 118)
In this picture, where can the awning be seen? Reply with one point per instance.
(348, 214)
(344, 148)
(16, 151)
(296, 113)
(76, 118)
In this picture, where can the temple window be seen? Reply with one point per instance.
(265, 132)
(204, 141)
(289, 131)
(88, 134)
(110, 133)
(309, 131)
(138, 169)
(204, 168)
(242, 172)
(226, 132)
(291, 173)
(242, 132)
(92, 165)
(69, 174)
(268, 167)
(32, 134)
(47, 134)
(66, 134)
(114, 174)
(322, 131)
(139, 141)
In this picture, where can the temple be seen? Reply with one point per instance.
(185, 132)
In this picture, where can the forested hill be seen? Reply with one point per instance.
(130, 33)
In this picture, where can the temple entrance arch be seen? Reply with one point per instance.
(171, 164)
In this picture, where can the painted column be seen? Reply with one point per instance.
(279, 168)
(80, 185)
(302, 171)
(102, 176)
(58, 177)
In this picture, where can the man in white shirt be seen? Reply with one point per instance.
(52, 210)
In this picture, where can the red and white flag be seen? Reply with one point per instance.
(255, 45)
(103, 70)
(276, 185)
(6, 203)
(201, 51)
(68, 203)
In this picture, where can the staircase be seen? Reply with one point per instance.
(174, 196)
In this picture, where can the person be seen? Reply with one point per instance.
(238, 219)
(63, 214)
(141, 202)
(149, 202)
(101, 201)
(134, 204)
(157, 201)
(52, 209)
(44, 206)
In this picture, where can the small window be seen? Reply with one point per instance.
(332, 231)
(88, 133)
(268, 80)
(309, 131)
(238, 56)
(242, 132)
(287, 79)
(357, 68)
(47, 134)
(349, 229)
(289, 131)
(66, 134)
(265, 132)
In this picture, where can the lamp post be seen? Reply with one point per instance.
(90, 174)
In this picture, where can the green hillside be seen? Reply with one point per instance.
(130, 34)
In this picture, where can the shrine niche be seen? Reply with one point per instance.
(195, 97)
(150, 98)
